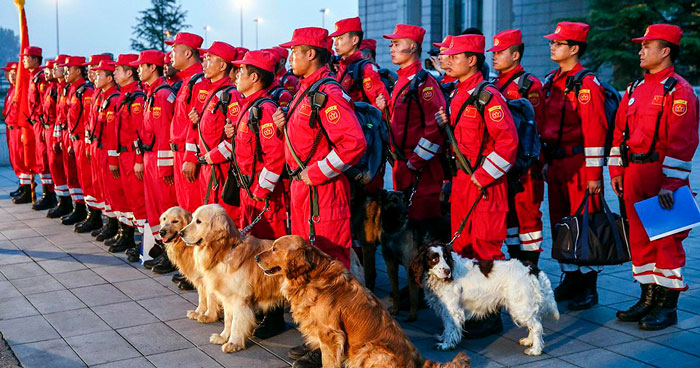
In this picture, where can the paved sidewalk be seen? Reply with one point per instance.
(66, 302)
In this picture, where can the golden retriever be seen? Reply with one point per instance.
(337, 314)
(226, 261)
(171, 222)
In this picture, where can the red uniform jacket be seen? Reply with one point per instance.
(678, 131)
(212, 121)
(535, 94)
(61, 112)
(156, 124)
(37, 87)
(182, 127)
(285, 97)
(129, 120)
(91, 123)
(269, 169)
(78, 113)
(501, 136)
(372, 85)
(106, 123)
(9, 109)
(584, 119)
(288, 80)
(49, 103)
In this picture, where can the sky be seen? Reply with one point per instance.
(95, 26)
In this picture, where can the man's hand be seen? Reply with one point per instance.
(616, 184)
(189, 170)
(138, 171)
(476, 182)
(381, 102)
(279, 118)
(194, 116)
(595, 186)
(441, 117)
(87, 154)
(666, 199)
(229, 129)
(169, 180)
(71, 151)
(57, 147)
(115, 171)
(305, 177)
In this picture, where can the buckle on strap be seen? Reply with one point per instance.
(641, 158)
(174, 147)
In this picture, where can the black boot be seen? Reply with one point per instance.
(114, 239)
(64, 207)
(185, 285)
(272, 324)
(589, 295)
(178, 277)
(108, 230)
(663, 313)
(47, 201)
(529, 257)
(92, 222)
(152, 262)
(297, 352)
(164, 266)
(17, 192)
(312, 359)
(125, 242)
(489, 325)
(134, 254)
(24, 197)
(568, 288)
(640, 309)
(79, 214)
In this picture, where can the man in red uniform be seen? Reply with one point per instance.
(573, 135)
(55, 160)
(170, 73)
(442, 60)
(13, 132)
(415, 137)
(524, 233)
(78, 100)
(655, 164)
(223, 102)
(320, 192)
(485, 230)
(285, 78)
(275, 91)
(185, 56)
(368, 48)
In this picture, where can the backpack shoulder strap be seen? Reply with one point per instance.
(190, 84)
(511, 80)
(574, 83)
(151, 99)
(524, 84)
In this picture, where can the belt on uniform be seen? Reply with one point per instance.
(10, 127)
(565, 152)
(46, 126)
(643, 158)
(75, 137)
(122, 149)
(176, 147)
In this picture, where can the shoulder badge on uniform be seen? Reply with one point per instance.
(156, 112)
(367, 83)
(212, 107)
(74, 100)
(428, 93)
(680, 107)
(267, 130)
(202, 95)
(496, 113)
(110, 116)
(584, 96)
(87, 100)
(42, 87)
(234, 108)
(136, 108)
(333, 114)
(534, 99)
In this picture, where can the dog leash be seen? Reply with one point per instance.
(458, 233)
(414, 189)
(257, 218)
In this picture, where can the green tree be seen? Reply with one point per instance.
(156, 24)
(9, 46)
(615, 23)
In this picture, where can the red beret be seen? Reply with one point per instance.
(31, 51)
(73, 61)
(60, 59)
(573, 31)
(368, 43)
(264, 60)
(506, 39)
(154, 57)
(310, 36)
(445, 43)
(666, 32)
(105, 65)
(222, 50)
(465, 43)
(125, 59)
(95, 59)
(344, 26)
(188, 39)
(10, 65)
(414, 33)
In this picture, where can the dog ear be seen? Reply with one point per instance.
(417, 266)
(222, 228)
(297, 263)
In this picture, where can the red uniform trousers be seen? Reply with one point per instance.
(188, 194)
(133, 189)
(483, 234)
(115, 200)
(653, 262)
(56, 168)
(84, 171)
(524, 217)
(158, 195)
(333, 225)
(17, 157)
(98, 161)
(71, 168)
(273, 223)
(221, 172)
(426, 200)
(41, 166)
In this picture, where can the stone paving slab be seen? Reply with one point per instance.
(65, 300)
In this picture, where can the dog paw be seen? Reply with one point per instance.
(231, 348)
(525, 341)
(207, 319)
(191, 314)
(444, 347)
(533, 352)
(411, 318)
(438, 338)
(217, 339)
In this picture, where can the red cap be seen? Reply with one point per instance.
(154, 57)
(414, 33)
(31, 51)
(465, 43)
(506, 39)
(60, 59)
(666, 32)
(445, 43)
(573, 31)
(281, 52)
(105, 65)
(222, 50)
(125, 59)
(240, 53)
(187, 39)
(95, 59)
(50, 63)
(10, 65)
(344, 26)
(73, 61)
(167, 59)
(264, 60)
(368, 43)
(310, 36)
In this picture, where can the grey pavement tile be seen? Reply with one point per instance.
(55, 301)
(65, 264)
(102, 347)
(187, 358)
(37, 284)
(280, 344)
(76, 322)
(45, 252)
(32, 243)
(154, 338)
(100, 295)
(198, 333)
(589, 332)
(656, 354)
(549, 363)
(56, 351)
(22, 270)
(13, 256)
(27, 329)
(143, 288)
(250, 357)
(605, 316)
(687, 320)
(52, 229)
(80, 278)
(127, 363)
(125, 314)
(499, 349)
(19, 233)
(97, 259)
(602, 358)
(87, 247)
(191, 296)
(555, 344)
(167, 308)
(8, 290)
(65, 237)
(685, 341)
(117, 273)
(477, 360)
(16, 307)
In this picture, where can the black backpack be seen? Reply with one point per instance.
(389, 78)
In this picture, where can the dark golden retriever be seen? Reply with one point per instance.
(337, 314)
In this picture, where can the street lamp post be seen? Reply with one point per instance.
(58, 49)
(257, 22)
(241, 23)
(324, 11)
(206, 31)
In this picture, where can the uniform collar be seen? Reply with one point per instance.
(261, 93)
(503, 77)
(190, 71)
(149, 88)
(213, 86)
(111, 90)
(471, 83)
(410, 70)
(129, 87)
(315, 76)
(357, 55)
(577, 68)
(659, 77)
(78, 82)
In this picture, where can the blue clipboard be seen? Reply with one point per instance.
(660, 223)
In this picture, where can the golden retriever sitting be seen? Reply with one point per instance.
(226, 261)
(337, 314)
(171, 222)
